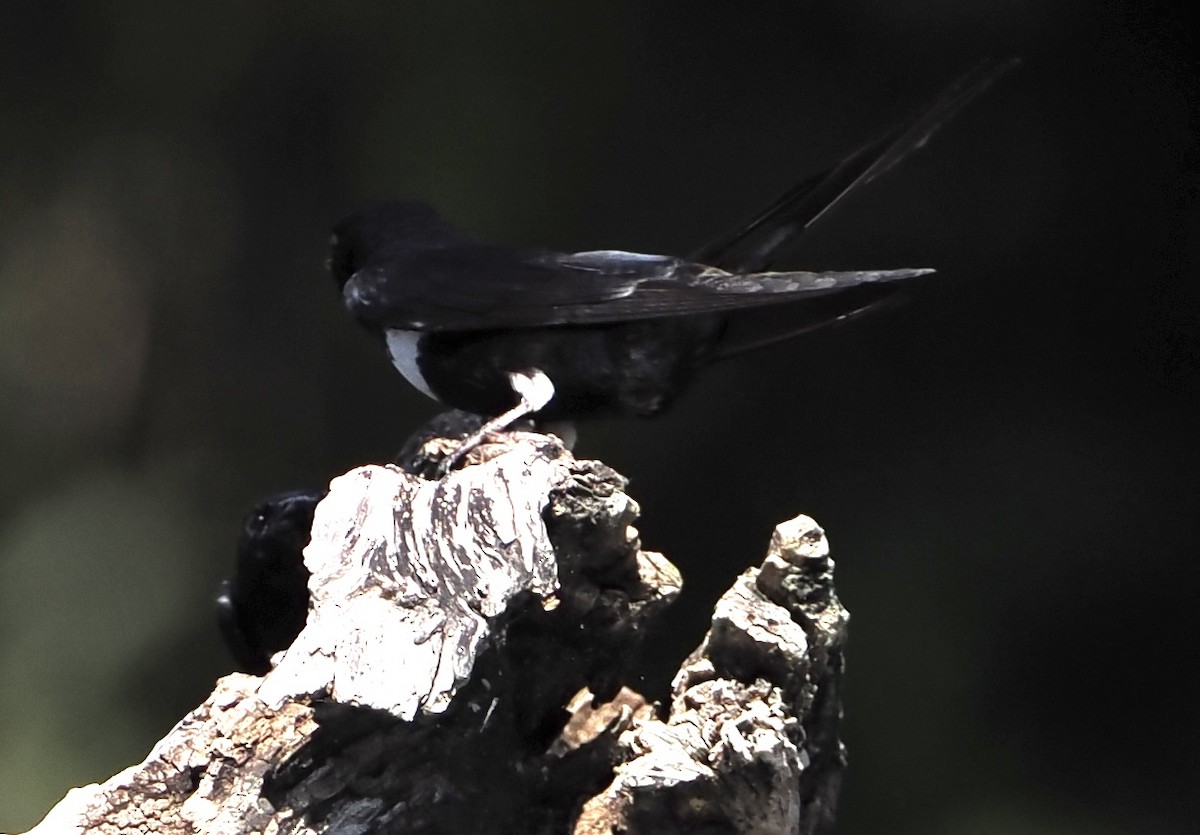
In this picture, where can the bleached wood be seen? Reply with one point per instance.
(461, 671)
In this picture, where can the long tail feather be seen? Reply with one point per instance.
(730, 348)
(752, 246)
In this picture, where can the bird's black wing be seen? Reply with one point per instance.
(487, 288)
(472, 286)
(752, 246)
(696, 289)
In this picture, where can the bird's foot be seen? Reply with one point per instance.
(534, 390)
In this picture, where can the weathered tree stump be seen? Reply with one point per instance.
(461, 671)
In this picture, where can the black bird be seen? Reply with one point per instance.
(263, 607)
(508, 332)
(487, 328)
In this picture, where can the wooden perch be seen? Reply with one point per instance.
(461, 670)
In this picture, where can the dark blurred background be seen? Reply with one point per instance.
(1006, 466)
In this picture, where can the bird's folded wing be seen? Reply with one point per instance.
(460, 291)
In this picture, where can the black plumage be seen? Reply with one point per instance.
(488, 328)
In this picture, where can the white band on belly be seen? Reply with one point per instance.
(402, 348)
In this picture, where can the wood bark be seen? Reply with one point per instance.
(462, 671)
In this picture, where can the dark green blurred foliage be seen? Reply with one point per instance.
(1006, 467)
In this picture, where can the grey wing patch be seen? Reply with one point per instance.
(718, 281)
(617, 262)
(715, 291)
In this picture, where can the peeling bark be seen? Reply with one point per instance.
(461, 670)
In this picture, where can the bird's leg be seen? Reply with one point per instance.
(533, 388)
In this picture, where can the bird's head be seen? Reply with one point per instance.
(382, 230)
